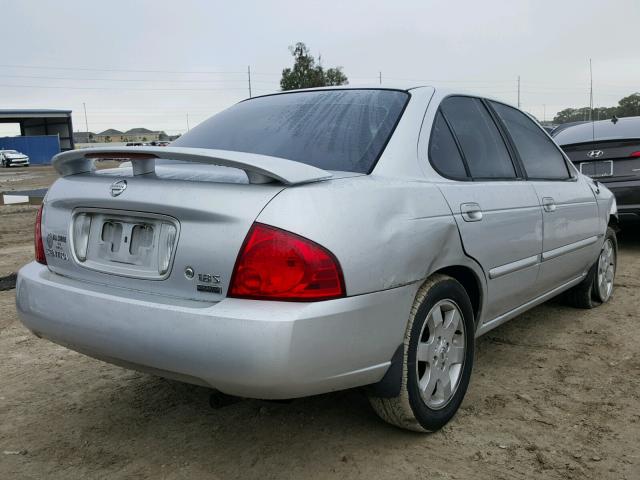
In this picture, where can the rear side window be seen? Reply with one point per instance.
(540, 156)
(443, 151)
(482, 146)
(332, 129)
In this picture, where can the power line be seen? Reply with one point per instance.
(84, 79)
(88, 69)
(63, 87)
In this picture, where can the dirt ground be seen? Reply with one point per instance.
(554, 395)
(16, 221)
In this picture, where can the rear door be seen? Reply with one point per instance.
(498, 214)
(569, 208)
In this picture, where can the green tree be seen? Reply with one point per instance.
(305, 73)
(629, 106)
(572, 115)
(335, 76)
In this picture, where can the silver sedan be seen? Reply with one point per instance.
(319, 240)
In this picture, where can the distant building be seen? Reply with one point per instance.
(116, 136)
(84, 137)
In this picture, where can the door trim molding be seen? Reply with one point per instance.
(512, 267)
(556, 252)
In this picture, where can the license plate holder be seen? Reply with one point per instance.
(597, 168)
(125, 244)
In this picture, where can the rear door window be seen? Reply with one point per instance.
(343, 130)
(541, 157)
(443, 151)
(482, 145)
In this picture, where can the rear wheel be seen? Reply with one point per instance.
(438, 358)
(597, 287)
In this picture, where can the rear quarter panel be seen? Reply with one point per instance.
(385, 232)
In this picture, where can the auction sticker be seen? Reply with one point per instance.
(56, 246)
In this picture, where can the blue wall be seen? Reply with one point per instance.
(40, 149)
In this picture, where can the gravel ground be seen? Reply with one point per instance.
(554, 395)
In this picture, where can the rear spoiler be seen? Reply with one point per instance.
(259, 168)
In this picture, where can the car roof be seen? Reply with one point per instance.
(624, 128)
(403, 86)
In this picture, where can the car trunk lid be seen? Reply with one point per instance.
(607, 160)
(174, 231)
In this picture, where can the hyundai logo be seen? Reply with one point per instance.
(118, 187)
(595, 154)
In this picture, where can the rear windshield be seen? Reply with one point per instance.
(342, 130)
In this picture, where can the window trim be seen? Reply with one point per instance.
(526, 176)
(519, 174)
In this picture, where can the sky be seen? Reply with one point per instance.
(168, 65)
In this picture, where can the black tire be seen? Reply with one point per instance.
(408, 410)
(586, 294)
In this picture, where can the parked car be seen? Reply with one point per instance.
(608, 151)
(318, 240)
(10, 158)
(558, 128)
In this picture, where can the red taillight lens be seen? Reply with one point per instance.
(274, 264)
(635, 154)
(40, 257)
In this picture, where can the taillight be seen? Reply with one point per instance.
(40, 256)
(274, 264)
(635, 154)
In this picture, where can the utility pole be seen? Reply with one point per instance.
(86, 122)
(518, 91)
(593, 125)
(188, 122)
(380, 77)
(249, 77)
(590, 91)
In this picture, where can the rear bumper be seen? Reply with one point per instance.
(241, 347)
(627, 195)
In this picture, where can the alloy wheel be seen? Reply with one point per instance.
(441, 353)
(606, 270)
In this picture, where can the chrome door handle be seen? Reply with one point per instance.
(471, 212)
(549, 204)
